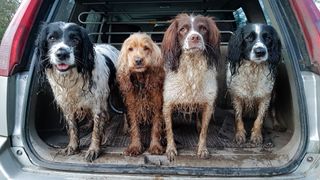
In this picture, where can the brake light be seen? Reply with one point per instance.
(16, 36)
(308, 17)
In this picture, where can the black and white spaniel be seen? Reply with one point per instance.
(254, 52)
(79, 74)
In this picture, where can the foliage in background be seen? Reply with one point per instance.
(7, 10)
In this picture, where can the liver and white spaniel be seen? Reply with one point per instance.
(191, 50)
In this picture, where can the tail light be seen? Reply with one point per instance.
(16, 36)
(308, 17)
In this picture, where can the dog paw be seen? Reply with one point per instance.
(69, 150)
(203, 153)
(92, 154)
(133, 151)
(240, 137)
(256, 138)
(156, 149)
(171, 153)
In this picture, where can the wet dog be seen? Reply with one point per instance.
(191, 50)
(79, 73)
(140, 75)
(254, 52)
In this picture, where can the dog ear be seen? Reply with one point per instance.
(213, 44)
(42, 49)
(124, 81)
(86, 64)
(235, 49)
(122, 58)
(156, 55)
(123, 74)
(171, 49)
(275, 50)
(41, 42)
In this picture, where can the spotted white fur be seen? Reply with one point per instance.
(194, 83)
(71, 91)
(252, 81)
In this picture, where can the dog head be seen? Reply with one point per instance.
(64, 46)
(187, 34)
(254, 42)
(138, 53)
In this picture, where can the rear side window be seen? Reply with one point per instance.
(64, 11)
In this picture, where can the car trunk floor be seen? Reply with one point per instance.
(220, 138)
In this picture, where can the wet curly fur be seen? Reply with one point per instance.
(140, 75)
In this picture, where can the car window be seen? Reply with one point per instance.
(64, 10)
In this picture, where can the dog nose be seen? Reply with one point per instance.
(260, 51)
(62, 54)
(138, 60)
(194, 38)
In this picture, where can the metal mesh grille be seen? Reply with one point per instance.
(114, 26)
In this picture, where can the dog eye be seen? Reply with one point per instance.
(52, 38)
(183, 30)
(267, 38)
(130, 49)
(250, 37)
(202, 28)
(76, 41)
(146, 48)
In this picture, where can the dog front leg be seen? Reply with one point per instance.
(99, 120)
(256, 136)
(155, 145)
(240, 136)
(202, 145)
(171, 150)
(72, 127)
(135, 147)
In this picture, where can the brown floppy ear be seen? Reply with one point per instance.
(157, 79)
(156, 55)
(213, 44)
(123, 74)
(171, 49)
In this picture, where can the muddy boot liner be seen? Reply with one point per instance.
(220, 133)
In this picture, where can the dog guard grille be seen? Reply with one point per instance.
(104, 27)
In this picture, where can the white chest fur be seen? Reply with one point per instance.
(71, 91)
(251, 81)
(193, 83)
